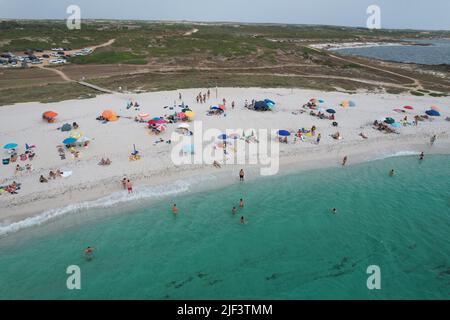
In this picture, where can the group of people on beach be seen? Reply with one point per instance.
(202, 97)
(127, 185)
(52, 175)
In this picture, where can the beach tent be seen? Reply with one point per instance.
(284, 133)
(109, 115)
(49, 115)
(263, 105)
(69, 141)
(433, 113)
(10, 146)
(66, 127)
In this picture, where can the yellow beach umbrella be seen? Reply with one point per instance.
(190, 114)
(76, 134)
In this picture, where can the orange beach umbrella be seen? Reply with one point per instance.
(109, 115)
(49, 114)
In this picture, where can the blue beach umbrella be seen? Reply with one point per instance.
(331, 111)
(352, 104)
(396, 125)
(188, 148)
(223, 136)
(433, 113)
(321, 101)
(269, 101)
(10, 146)
(284, 133)
(69, 141)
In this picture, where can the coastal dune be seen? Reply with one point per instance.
(23, 123)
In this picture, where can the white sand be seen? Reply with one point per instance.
(22, 123)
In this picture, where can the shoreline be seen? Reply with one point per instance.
(35, 213)
(155, 176)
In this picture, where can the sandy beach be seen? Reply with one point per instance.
(23, 123)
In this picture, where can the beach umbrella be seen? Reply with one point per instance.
(284, 133)
(435, 108)
(313, 100)
(215, 108)
(157, 121)
(66, 127)
(181, 115)
(408, 108)
(69, 141)
(188, 148)
(109, 115)
(331, 111)
(143, 115)
(161, 127)
(433, 113)
(352, 104)
(183, 126)
(396, 125)
(190, 114)
(223, 136)
(222, 107)
(399, 110)
(49, 114)
(389, 120)
(235, 136)
(84, 139)
(269, 101)
(10, 146)
(321, 101)
(76, 134)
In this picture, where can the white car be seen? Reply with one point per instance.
(57, 61)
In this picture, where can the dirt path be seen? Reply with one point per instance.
(415, 82)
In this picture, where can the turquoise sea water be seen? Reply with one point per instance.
(292, 247)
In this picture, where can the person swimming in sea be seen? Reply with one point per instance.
(88, 253)
(344, 162)
(392, 173)
(334, 210)
(242, 220)
(234, 210)
(175, 209)
(422, 155)
(241, 203)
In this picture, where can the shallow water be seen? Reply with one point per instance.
(437, 53)
(292, 247)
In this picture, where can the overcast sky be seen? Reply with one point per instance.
(409, 14)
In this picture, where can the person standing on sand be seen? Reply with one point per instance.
(232, 105)
(129, 186)
(209, 94)
(422, 155)
(174, 209)
(344, 162)
(179, 96)
(433, 139)
(124, 183)
(319, 136)
(241, 175)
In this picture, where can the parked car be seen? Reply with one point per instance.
(45, 56)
